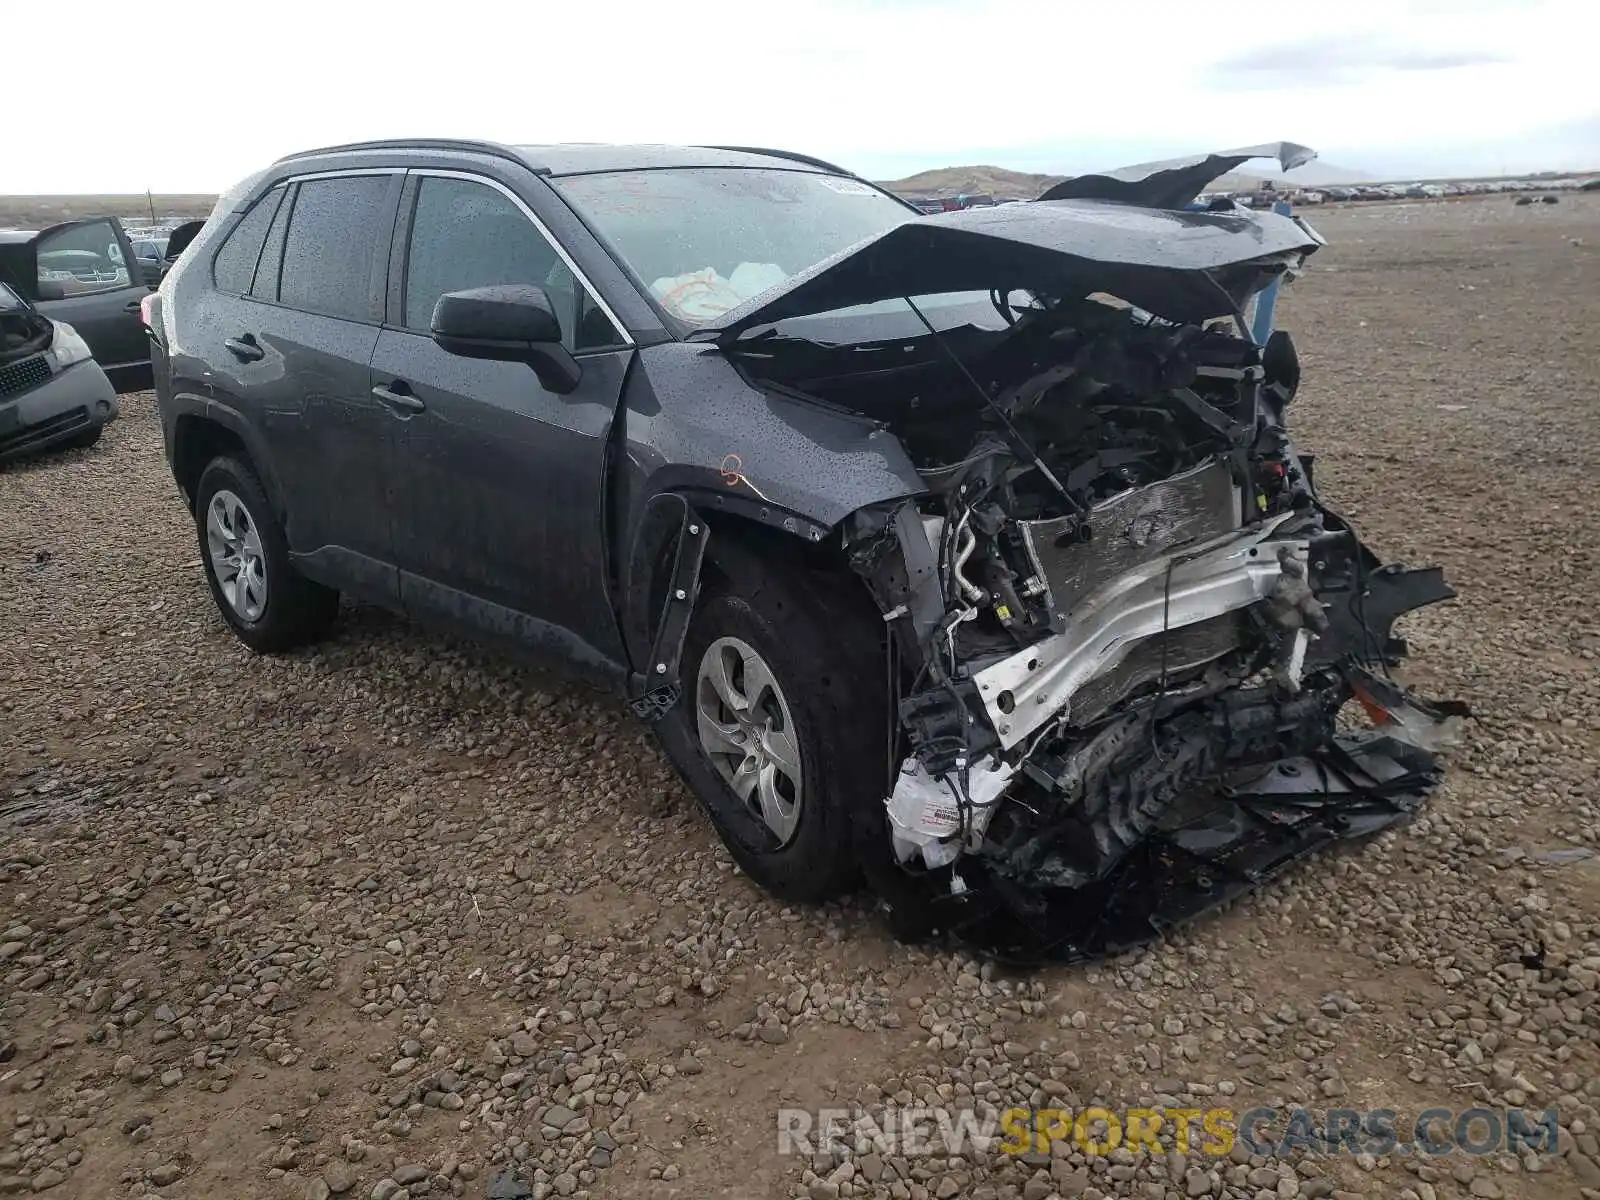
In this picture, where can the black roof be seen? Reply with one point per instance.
(578, 158)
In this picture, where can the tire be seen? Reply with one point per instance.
(282, 609)
(825, 657)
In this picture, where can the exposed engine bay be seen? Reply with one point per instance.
(1122, 626)
(22, 330)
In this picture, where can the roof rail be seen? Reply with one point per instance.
(494, 149)
(789, 154)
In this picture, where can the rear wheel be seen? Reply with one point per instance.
(269, 605)
(781, 728)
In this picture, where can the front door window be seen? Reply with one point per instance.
(81, 260)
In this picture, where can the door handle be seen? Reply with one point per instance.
(399, 403)
(244, 348)
(131, 306)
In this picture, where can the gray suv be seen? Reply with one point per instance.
(965, 553)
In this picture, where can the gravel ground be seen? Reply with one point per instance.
(378, 919)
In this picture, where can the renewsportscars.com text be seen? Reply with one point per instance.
(1269, 1132)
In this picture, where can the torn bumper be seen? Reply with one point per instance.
(1251, 831)
(1088, 823)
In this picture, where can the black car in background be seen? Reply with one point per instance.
(908, 542)
(87, 274)
(157, 250)
(150, 250)
(52, 392)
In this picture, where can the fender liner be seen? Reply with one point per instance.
(655, 639)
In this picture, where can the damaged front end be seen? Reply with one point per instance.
(1123, 626)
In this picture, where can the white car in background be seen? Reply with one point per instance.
(52, 392)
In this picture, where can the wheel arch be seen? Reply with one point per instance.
(203, 430)
(832, 659)
(738, 541)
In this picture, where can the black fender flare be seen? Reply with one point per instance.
(189, 407)
(661, 581)
(711, 501)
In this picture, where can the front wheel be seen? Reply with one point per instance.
(781, 729)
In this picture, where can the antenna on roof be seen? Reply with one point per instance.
(151, 201)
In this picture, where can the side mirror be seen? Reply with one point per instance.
(1280, 364)
(179, 241)
(513, 322)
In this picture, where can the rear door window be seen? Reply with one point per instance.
(235, 262)
(337, 234)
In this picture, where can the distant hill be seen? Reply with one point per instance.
(36, 212)
(1025, 185)
(953, 181)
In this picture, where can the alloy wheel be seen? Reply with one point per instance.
(237, 557)
(747, 732)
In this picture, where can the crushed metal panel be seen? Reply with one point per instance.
(1172, 653)
(1121, 635)
(1173, 182)
(1130, 531)
(1032, 687)
(1183, 266)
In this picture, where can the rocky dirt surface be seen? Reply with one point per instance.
(387, 917)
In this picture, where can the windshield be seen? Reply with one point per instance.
(703, 240)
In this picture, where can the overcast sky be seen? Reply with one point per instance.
(208, 92)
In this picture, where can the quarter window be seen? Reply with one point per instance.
(265, 284)
(333, 242)
(235, 262)
(466, 234)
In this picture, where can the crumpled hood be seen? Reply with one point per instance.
(1173, 182)
(1184, 266)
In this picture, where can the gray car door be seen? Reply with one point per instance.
(298, 321)
(499, 484)
(85, 274)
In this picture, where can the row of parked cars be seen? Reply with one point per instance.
(1396, 191)
(72, 335)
